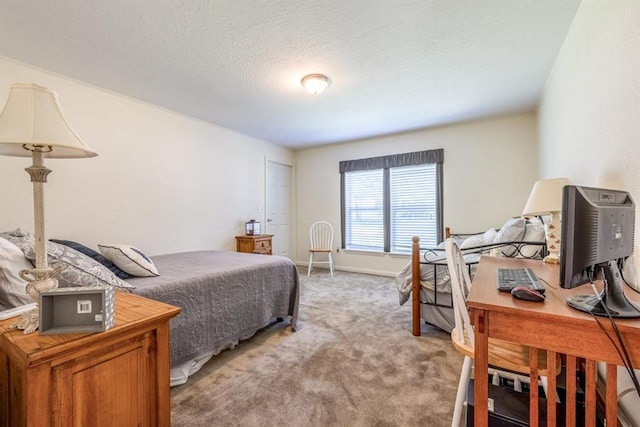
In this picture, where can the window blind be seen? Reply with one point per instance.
(413, 206)
(364, 210)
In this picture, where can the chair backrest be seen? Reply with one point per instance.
(321, 235)
(460, 285)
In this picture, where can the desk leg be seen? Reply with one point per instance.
(590, 392)
(533, 388)
(481, 365)
(570, 399)
(611, 393)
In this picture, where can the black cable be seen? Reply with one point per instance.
(627, 283)
(547, 283)
(623, 357)
(628, 369)
(626, 359)
(630, 287)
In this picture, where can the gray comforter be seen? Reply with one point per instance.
(224, 296)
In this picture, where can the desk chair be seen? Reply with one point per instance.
(503, 355)
(321, 238)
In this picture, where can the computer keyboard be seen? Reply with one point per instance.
(509, 278)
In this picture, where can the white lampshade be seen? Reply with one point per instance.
(315, 83)
(545, 197)
(32, 117)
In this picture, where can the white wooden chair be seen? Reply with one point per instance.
(321, 238)
(503, 355)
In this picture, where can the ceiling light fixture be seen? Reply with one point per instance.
(315, 83)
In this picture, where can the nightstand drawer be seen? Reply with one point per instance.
(257, 244)
(263, 244)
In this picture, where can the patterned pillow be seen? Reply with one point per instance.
(79, 269)
(95, 255)
(130, 259)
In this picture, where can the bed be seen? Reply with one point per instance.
(224, 297)
(425, 279)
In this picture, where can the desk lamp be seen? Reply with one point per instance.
(32, 125)
(546, 199)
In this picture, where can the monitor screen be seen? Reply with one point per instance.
(597, 234)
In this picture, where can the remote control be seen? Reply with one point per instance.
(17, 311)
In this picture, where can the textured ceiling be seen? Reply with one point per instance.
(395, 65)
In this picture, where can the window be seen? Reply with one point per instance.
(388, 200)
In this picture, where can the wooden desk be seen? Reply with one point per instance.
(552, 326)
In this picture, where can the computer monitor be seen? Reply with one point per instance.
(597, 237)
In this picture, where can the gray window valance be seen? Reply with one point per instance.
(393, 161)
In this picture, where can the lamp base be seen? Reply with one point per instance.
(552, 258)
(39, 280)
(552, 234)
(28, 322)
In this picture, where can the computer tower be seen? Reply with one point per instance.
(510, 407)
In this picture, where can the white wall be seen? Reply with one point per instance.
(489, 169)
(162, 181)
(589, 118)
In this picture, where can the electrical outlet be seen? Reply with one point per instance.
(84, 306)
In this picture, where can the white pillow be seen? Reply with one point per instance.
(13, 291)
(511, 231)
(129, 259)
(472, 241)
(489, 236)
(533, 232)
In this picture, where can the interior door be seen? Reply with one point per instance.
(278, 207)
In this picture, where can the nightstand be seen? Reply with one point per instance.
(117, 377)
(256, 244)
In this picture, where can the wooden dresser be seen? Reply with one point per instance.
(119, 377)
(256, 244)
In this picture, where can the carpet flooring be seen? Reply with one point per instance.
(353, 363)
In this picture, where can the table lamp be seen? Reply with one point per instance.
(546, 199)
(32, 125)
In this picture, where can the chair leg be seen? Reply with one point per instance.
(310, 264)
(465, 374)
(543, 381)
(545, 385)
(331, 263)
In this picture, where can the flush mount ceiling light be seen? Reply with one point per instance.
(315, 83)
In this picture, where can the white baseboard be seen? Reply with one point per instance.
(305, 265)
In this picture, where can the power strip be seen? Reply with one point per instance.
(17, 311)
